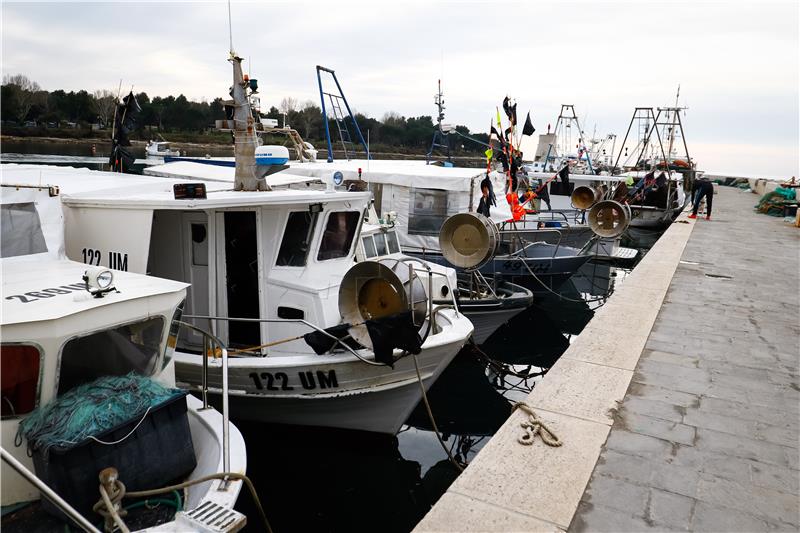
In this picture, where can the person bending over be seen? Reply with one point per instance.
(702, 188)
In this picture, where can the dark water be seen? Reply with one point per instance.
(321, 479)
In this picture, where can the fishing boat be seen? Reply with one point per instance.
(160, 149)
(487, 302)
(80, 332)
(663, 175)
(269, 264)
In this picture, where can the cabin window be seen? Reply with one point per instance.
(21, 230)
(427, 211)
(369, 246)
(112, 352)
(380, 244)
(296, 239)
(199, 245)
(19, 373)
(338, 236)
(394, 246)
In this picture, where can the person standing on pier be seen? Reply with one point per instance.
(702, 188)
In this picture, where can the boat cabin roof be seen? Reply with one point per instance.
(214, 172)
(83, 187)
(407, 173)
(38, 288)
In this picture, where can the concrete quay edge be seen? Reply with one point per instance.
(512, 487)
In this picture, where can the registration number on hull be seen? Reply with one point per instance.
(307, 380)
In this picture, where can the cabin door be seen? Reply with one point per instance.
(239, 270)
(194, 229)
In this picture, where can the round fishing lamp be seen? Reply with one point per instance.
(583, 197)
(468, 240)
(373, 290)
(608, 218)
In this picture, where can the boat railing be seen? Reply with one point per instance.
(526, 243)
(337, 341)
(210, 344)
(47, 492)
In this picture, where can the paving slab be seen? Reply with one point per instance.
(687, 421)
(722, 359)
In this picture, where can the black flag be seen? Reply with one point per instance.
(124, 124)
(511, 111)
(528, 128)
(564, 175)
(496, 133)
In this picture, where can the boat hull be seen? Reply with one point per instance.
(329, 390)
(487, 322)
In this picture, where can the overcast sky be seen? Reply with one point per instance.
(736, 62)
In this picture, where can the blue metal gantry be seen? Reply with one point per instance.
(338, 116)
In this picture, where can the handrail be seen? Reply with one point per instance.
(47, 492)
(530, 243)
(226, 445)
(281, 320)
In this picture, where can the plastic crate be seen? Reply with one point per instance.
(157, 453)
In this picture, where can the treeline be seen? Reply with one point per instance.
(27, 109)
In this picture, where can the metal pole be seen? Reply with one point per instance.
(47, 492)
(226, 446)
(325, 113)
(206, 348)
(352, 117)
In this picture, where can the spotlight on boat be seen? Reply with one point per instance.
(373, 290)
(583, 197)
(608, 218)
(468, 240)
(98, 281)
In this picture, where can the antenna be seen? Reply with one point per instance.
(230, 27)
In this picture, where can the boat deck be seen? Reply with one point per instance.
(678, 406)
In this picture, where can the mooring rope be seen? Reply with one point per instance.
(107, 505)
(453, 460)
(533, 426)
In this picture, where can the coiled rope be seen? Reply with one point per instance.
(109, 504)
(535, 426)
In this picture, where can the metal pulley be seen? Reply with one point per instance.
(469, 240)
(608, 218)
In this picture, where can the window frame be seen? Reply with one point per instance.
(312, 237)
(39, 379)
(394, 239)
(356, 234)
(364, 246)
(159, 355)
(413, 214)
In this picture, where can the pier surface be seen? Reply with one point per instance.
(678, 405)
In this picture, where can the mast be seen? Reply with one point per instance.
(244, 137)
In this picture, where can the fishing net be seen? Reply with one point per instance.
(90, 409)
(773, 202)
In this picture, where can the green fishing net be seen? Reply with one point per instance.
(90, 409)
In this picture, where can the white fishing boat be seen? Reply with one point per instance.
(160, 149)
(267, 265)
(67, 326)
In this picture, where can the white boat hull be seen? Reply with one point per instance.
(330, 390)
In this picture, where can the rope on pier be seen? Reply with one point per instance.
(535, 426)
